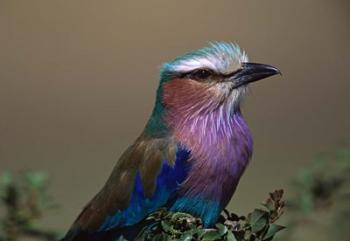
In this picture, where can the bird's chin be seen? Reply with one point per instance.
(242, 88)
(232, 96)
(238, 94)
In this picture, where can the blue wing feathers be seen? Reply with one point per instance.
(140, 206)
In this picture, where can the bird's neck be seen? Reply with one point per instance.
(217, 137)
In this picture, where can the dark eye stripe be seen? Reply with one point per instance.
(203, 74)
(198, 74)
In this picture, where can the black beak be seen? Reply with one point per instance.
(252, 72)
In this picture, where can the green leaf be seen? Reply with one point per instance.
(179, 215)
(36, 179)
(258, 220)
(186, 237)
(211, 235)
(230, 236)
(165, 226)
(247, 235)
(168, 227)
(222, 229)
(273, 229)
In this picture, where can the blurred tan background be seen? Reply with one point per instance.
(78, 78)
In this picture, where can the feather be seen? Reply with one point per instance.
(143, 180)
(191, 155)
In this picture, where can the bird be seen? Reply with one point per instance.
(192, 152)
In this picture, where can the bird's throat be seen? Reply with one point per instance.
(218, 138)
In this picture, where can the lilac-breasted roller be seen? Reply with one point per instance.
(192, 152)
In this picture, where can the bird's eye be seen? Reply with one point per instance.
(200, 74)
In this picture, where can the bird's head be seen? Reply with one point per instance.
(201, 81)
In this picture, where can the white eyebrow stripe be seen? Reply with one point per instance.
(192, 64)
(221, 57)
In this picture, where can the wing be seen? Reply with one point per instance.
(144, 179)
